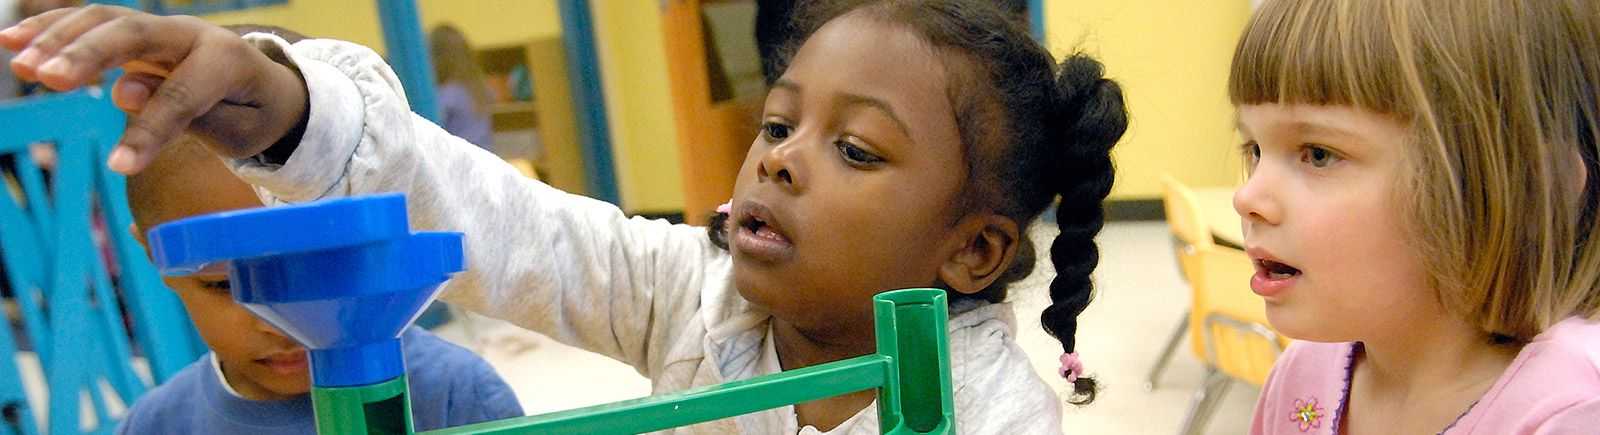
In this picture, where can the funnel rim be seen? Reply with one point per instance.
(184, 246)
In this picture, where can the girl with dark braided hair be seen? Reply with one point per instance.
(1030, 133)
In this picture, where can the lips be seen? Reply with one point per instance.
(759, 235)
(285, 363)
(1273, 276)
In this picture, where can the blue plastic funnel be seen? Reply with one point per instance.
(343, 277)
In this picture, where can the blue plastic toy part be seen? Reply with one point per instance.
(188, 245)
(343, 277)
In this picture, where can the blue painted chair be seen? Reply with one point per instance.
(70, 309)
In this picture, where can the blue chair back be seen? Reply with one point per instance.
(70, 307)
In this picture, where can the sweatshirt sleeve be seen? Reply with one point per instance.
(568, 266)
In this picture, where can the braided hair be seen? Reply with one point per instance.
(1031, 130)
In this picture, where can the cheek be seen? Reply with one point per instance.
(888, 234)
(226, 327)
(747, 168)
(1365, 260)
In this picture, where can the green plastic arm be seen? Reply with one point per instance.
(697, 405)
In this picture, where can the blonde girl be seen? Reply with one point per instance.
(1420, 206)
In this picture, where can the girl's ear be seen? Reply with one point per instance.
(983, 248)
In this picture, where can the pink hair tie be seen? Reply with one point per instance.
(1071, 366)
(725, 208)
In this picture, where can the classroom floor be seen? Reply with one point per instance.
(1140, 299)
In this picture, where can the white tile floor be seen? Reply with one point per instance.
(1140, 299)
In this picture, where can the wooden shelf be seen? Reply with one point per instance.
(521, 115)
(513, 107)
(544, 131)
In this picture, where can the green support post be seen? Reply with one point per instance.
(382, 408)
(916, 397)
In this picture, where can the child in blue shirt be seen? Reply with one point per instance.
(255, 380)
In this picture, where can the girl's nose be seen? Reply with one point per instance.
(1255, 201)
(783, 165)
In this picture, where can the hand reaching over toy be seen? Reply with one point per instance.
(183, 74)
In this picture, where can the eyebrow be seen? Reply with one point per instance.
(1306, 128)
(1320, 129)
(854, 100)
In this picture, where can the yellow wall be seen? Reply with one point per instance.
(486, 22)
(1171, 57)
(490, 23)
(632, 58)
(349, 20)
(633, 64)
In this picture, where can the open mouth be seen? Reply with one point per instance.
(1276, 270)
(759, 235)
(760, 228)
(1273, 276)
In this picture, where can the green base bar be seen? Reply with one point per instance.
(911, 372)
(381, 408)
(696, 405)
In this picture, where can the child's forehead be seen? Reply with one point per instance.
(190, 186)
(846, 37)
(201, 199)
(864, 56)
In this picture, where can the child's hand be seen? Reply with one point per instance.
(183, 73)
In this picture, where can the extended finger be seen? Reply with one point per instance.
(147, 39)
(61, 32)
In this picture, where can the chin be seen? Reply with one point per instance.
(291, 388)
(769, 294)
(753, 286)
(1300, 324)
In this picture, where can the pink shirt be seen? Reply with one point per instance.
(1551, 388)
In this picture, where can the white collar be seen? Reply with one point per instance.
(216, 366)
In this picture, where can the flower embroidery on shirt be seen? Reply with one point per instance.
(1307, 414)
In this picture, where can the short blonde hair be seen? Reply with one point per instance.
(1499, 97)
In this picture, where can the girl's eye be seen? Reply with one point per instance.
(856, 156)
(1317, 156)
(774, 132)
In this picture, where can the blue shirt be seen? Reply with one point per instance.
(450, 386)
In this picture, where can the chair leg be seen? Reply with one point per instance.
(1204, 402)
(1154, 376)
(1220, 389)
